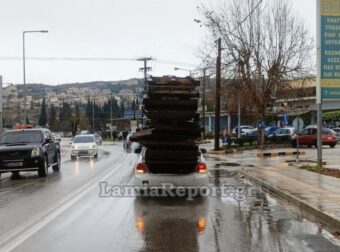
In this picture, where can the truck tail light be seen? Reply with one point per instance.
(201, 168)
(142, 168)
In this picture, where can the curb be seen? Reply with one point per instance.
(233, 151)
(220, 152)
(326, 219)
(276, 154)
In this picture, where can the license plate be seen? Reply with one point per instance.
(13, 164)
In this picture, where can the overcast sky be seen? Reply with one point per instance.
(119, 29)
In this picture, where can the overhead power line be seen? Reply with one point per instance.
(68, 59)
(161, 61)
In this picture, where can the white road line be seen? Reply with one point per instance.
(26, 230)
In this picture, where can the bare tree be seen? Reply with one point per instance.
(265, 46)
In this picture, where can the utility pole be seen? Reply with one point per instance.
(239, 102)
(218, 95)
(111, 119)
(145, 69)
(203, 101)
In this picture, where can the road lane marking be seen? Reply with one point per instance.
(23, 232)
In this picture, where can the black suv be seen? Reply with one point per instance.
(29, 150)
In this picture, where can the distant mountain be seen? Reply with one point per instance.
(114, 86)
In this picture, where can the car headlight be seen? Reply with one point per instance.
(74, 146)
(35, 152)
(92, 146)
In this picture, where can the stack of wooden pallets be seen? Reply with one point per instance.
(172, 127)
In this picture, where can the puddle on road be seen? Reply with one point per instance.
(226, 164)
(222, 173)
(250, 165)
(215, 159)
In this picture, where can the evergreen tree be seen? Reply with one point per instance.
(122, 109)
(66, 117)
(52, 121)
(43, 114)
(75, 120)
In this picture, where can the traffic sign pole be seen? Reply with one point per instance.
(318, 82)
(298, 126)
(297, 141)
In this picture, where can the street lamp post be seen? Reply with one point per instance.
(93, 115)
(24, 67)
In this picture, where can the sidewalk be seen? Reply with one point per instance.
(317, 194)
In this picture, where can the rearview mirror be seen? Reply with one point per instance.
(48, 140)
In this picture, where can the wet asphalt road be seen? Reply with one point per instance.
(64, 212)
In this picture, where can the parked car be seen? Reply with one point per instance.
(270, 130)
(309, 137)
(282, 135)
(250, 136)
(337, 131)
(84, 146)
(98, 138)
(154, 175)
(244, 129)
(29, 150)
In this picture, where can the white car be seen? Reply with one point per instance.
(147, 177)
(84, 146)
(244, 129)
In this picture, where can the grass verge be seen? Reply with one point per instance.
(321, 170)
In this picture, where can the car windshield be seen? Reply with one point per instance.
(83, 139)
(21, 137)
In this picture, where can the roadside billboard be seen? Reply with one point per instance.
(329, 49)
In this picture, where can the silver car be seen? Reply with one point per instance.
(84, 146)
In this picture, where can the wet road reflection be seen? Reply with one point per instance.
(170, 224)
